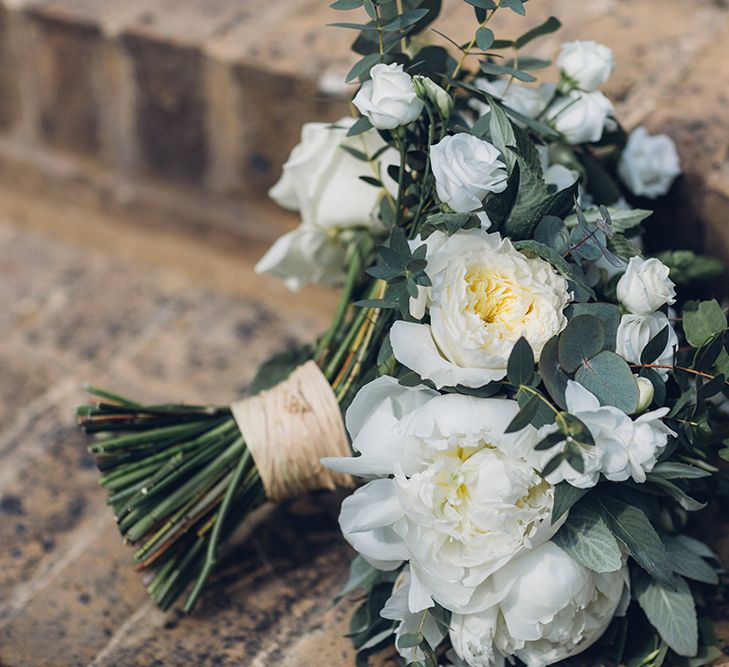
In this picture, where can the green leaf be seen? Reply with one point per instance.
(535, 202)
(516, 6)
(610, 379)
(543, 416)
(622, 247)
(582, 339)
(409, 640)
(520, 367)
(555, 259)
(621, 219)
(362, 66)
(632, 527)
(484, 38)
(550, 25)
(498, 70)
(655, 346)
(498, 205)
(279, 366)
(688, 563)
(687, 267)
(346, 4)
(525, 415)
(565, 496)
(678, 494)
(405, 20)
(450, 223)
(671, 612)
(676, 470)
(554, 379)
(361, 125)
(607, 313)
(586, 538)
(702, 320)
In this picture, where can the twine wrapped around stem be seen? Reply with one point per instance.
(289, 428)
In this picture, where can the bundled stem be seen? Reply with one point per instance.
(181, 479)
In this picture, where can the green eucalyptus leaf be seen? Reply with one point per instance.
(361, 125)
(582, 339)
(520, 367)
(609, 378)
(607, 313)
(702, 320)
(552, 24)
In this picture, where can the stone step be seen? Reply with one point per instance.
(189, 107)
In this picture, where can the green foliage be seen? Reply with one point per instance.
(703, 320)
(687, 267)
(610, 379)
(671, 611)
(586, 537)
(280, 366)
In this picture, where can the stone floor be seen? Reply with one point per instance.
(90, 299)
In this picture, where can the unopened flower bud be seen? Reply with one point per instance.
(645, 393)
(426, 89)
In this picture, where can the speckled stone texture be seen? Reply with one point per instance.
(159, 317)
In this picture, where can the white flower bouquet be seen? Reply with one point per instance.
(532, 421)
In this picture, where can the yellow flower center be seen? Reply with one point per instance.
(495, 298)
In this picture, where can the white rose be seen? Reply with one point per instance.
(460, 499)
(645, 286)
(527, 100)
(634, 333)
(649, 164)
(646, 392)
(466, 169)
(545, 607)
(624, 448)
(580, 117)
(321, 180)
(388, 98)
(585, 65)
(485, 296)
(397, 609)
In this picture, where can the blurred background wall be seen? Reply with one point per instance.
(190, 106)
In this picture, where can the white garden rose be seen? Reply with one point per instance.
(580, 117)
(624, 448)
(545, 607)
(466, 169)
(634, 333)
(485, 296)
(527, 100)
(585, 64)
(321, 180)
(388, 98)
(645, 286)
(460, 500)
(649, 163)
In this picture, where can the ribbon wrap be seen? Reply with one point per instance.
(289, 428)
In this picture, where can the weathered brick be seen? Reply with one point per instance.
(9, 101)
(66, 56)
(170, 107)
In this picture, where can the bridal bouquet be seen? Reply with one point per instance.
(535, 411)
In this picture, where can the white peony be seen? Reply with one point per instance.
(485, 296)
(388, 99)
(634, 333)
(466, 169)
(544, 607)
(321, 180)
(397, 609)
(624, 448)
(580, 117)
(645, 286)
(585, 64)
(529, 101)
(462, 500)
(649, 163)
